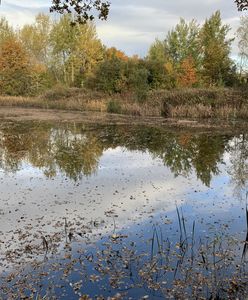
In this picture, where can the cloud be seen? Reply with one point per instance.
(20, 14)
(147, 20)
(134, 24)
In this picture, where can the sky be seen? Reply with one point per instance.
(133, 25)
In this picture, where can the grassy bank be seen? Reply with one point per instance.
(188, 103)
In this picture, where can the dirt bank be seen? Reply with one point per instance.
(31, 114)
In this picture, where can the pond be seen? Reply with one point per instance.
(122, 212)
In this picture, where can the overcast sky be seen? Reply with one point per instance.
(134, 24)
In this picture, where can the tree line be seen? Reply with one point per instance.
(46, 53)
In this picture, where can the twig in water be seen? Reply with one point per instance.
(45, 244)
(193, 243)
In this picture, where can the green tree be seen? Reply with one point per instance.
(110, 76)
(137, 78)
(76, 50)
(157, 52)
(6, 31)
(182, 42)
(36, 38)
(216, 62)
(160, 75)
(156, 62)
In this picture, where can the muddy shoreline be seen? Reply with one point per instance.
(101, 118)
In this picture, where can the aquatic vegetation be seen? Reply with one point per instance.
(184, 267)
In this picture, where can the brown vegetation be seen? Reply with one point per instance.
(188, 103)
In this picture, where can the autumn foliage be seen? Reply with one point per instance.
(15, 72)
(187, 76)
(113, 52)
(51, 53)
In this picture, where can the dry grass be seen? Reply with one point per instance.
(73, 99)
(190, 103)
(221, 103)
(20, 101)
(188, 111)
(202, 112)
(144, 109)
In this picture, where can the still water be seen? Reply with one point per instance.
(122, 212)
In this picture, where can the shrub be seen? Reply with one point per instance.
(138, 82)
(114, 107)
(109, 76)
(60, 92)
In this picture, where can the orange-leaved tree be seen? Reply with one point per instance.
(187, 73)
(15, 70)
(115, 53)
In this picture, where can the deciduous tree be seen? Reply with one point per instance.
(188, 74)
(216, 47)
(36, 38)
(75, 49)
(110, 76)
(6, 31)
(173, 53)
(183, 42)
(157, 52)
(113, 52)
(15, 72)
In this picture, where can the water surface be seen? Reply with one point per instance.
(121, 211)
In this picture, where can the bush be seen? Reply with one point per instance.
(109, 76)
(60, 92)
(114, 107)
(138, 82)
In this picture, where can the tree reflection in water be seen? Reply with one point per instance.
(238, 150)
(75, 150)
(179, 264)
